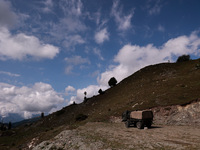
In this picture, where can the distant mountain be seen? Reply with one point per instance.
(12, 117)
(25, 122)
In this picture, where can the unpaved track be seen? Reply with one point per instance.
(115, 136)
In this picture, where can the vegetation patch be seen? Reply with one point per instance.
(81, 117)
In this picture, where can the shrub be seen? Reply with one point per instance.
(183, 58)
(9, 125)
(112, 82)
(42, 115)
(100, 92)
(81, 117)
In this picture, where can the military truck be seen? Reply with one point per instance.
(139, 119)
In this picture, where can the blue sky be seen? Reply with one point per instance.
(51, 51)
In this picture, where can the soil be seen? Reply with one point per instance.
(114, 135)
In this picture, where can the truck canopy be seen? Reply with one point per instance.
(141, 115)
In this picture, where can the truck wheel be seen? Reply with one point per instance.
(127, 124)
(149, 124)
(139, 125)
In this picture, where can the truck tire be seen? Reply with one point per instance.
(149, 124)
(139, 125)
(127, 124)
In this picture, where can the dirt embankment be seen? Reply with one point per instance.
(95, 136)
(188, 114)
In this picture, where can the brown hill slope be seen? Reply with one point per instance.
(157, 85)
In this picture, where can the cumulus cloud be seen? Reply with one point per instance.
(26, 101)
(7, 17)
(21, 46)
(101, 36)
(91, 91)
(69, 90)
(123, 21)
(131, 58)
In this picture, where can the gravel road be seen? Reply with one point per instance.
(109, 136)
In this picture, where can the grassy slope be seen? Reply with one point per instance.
(156, 85)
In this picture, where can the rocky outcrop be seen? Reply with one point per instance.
(188, 114)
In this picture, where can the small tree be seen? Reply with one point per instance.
(100, 92)
(112, 82)
(42, 115)
(9, 125)
(85, 93)
(183, 58)
(85, 98)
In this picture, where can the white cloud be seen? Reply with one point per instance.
(48, 4)
(9, 74)
(154, 6)
(131, 58)
(73, 8)
(97, 17)
(161, 28)
(68, 69)
(101, 36)
(70, 25)
(75, 61)
(26, 101)
(98, 53)
(73, 40)
(123, 21)
(69, 90)
(91, 91)
(7, 17)
(21, 46)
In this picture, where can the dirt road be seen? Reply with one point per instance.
(96, 136)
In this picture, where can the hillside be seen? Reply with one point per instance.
(158, 85)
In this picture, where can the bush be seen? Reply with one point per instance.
(112, 82)
(42, 115)
(81, 117)
(100, 92)
(183, 58)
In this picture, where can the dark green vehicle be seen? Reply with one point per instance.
(139, 119)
